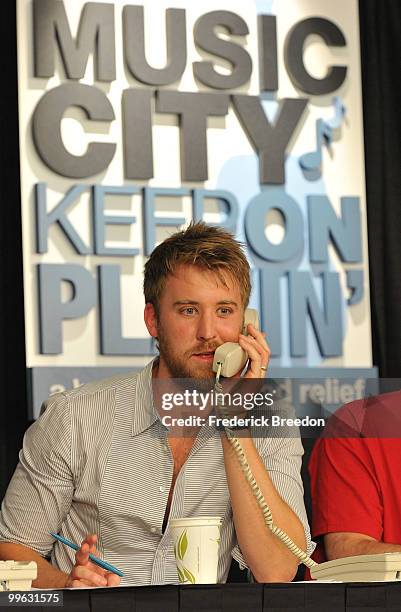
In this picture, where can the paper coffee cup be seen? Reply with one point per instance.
(196, 548)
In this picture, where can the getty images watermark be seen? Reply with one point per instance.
(287, 407)
(192, 408)
(205, 399)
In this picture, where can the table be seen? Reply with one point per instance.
(293, 597)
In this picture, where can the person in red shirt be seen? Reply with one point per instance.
(355, 480)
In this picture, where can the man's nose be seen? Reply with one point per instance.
(206, 327)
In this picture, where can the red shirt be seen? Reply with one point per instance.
(356, 479)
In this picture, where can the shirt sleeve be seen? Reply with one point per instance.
(40, 492)
(345, 492)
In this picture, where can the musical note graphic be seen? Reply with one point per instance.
(311, 163)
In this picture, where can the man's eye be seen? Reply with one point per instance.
(225, 311)
(189, 310)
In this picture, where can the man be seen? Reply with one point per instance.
(100, 461)
(354, 472)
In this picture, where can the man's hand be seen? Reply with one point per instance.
(258, 351)
(85, 573)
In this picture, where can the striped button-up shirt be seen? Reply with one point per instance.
(98, 461)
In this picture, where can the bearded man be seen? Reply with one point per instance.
(100, 468)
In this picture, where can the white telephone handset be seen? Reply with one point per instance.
(230, 355)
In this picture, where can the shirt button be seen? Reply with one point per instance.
(165, 447)
(162, 489)
(153, 530)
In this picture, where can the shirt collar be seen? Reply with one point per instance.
(145, 413)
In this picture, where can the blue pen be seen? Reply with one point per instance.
(96, 560)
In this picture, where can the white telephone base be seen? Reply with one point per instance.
(381, 567)
(17, 575)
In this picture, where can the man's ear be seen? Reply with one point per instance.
(150, 319)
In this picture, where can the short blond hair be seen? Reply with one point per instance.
(205, 246)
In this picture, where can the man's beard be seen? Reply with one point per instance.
(180, 366)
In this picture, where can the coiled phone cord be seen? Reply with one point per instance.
(267, 515)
